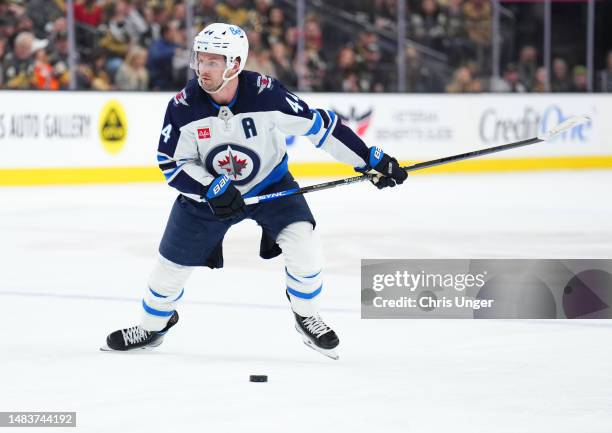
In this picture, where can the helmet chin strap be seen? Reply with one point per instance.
(222, 85)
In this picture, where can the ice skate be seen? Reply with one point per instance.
(135, 337)
(317, 335)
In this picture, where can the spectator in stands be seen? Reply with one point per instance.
(141, 6)
(86, 37)
(539, 82)
(44, 76)
(455, 43)
(18, 65)
(233, 12)
(95, 76)
(510, 82)
(277, 26)
(58, 58)
(477, 15)
(133, 74)
(291, 39)
(156, 15)
(255, 40)
(579, 81)
(4, 8)
(7, 25)
(364, 40)
(455, 24)
(259, 16)
(179, 12)
(44, 13)
(135, 22)
(161, 55)
(281, 60)
(560, 81)
(205, 13)
(116, 40)
(59, 26)
(604, 78)
(261, 61)
(181, 59)
(372, 78)
(459, 28)
(462, 81)
(24, 24)
(476, 86)
(3, 49)
(513, 77)
(528, 63)
(384, 15)
(13, 9)
(88, 12)
(429, 24)
(256, 62)
(315, 65)
(419, 78)
(343, 77)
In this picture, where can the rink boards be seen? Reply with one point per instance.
(111, 137)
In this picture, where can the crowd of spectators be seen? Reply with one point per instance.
(145, 44)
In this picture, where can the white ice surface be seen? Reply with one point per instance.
(75, 262)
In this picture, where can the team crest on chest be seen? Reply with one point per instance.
(239, 163)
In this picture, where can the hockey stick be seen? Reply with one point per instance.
(560, 128)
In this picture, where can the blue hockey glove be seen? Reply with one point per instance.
(390, 171)
(224, 199)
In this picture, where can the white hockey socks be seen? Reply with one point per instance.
(303, 262)
(165, 289)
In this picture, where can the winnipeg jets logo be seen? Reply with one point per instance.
(180, 98)
(359, 122)
(239, 163)
(232, 165)
(264, 82)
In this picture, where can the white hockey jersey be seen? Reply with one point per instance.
(245, 140)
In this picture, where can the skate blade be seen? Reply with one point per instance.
(330, 353)
(105, 348)
(158, 342)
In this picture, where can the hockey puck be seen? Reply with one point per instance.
(258, 378)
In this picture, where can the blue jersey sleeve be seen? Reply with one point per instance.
(323, 128)
(178, 159)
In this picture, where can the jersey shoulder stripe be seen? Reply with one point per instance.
(260, 92)
(190, 104)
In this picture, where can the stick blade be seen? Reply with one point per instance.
(566, 125)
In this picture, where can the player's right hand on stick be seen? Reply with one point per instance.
(390, 172)
(224, 198)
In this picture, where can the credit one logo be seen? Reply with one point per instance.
(496, 128)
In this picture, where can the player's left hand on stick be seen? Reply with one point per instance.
(224, 198)
(390, 172)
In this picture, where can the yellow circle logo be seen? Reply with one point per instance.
(112, 126)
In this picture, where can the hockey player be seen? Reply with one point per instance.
(223, 139)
